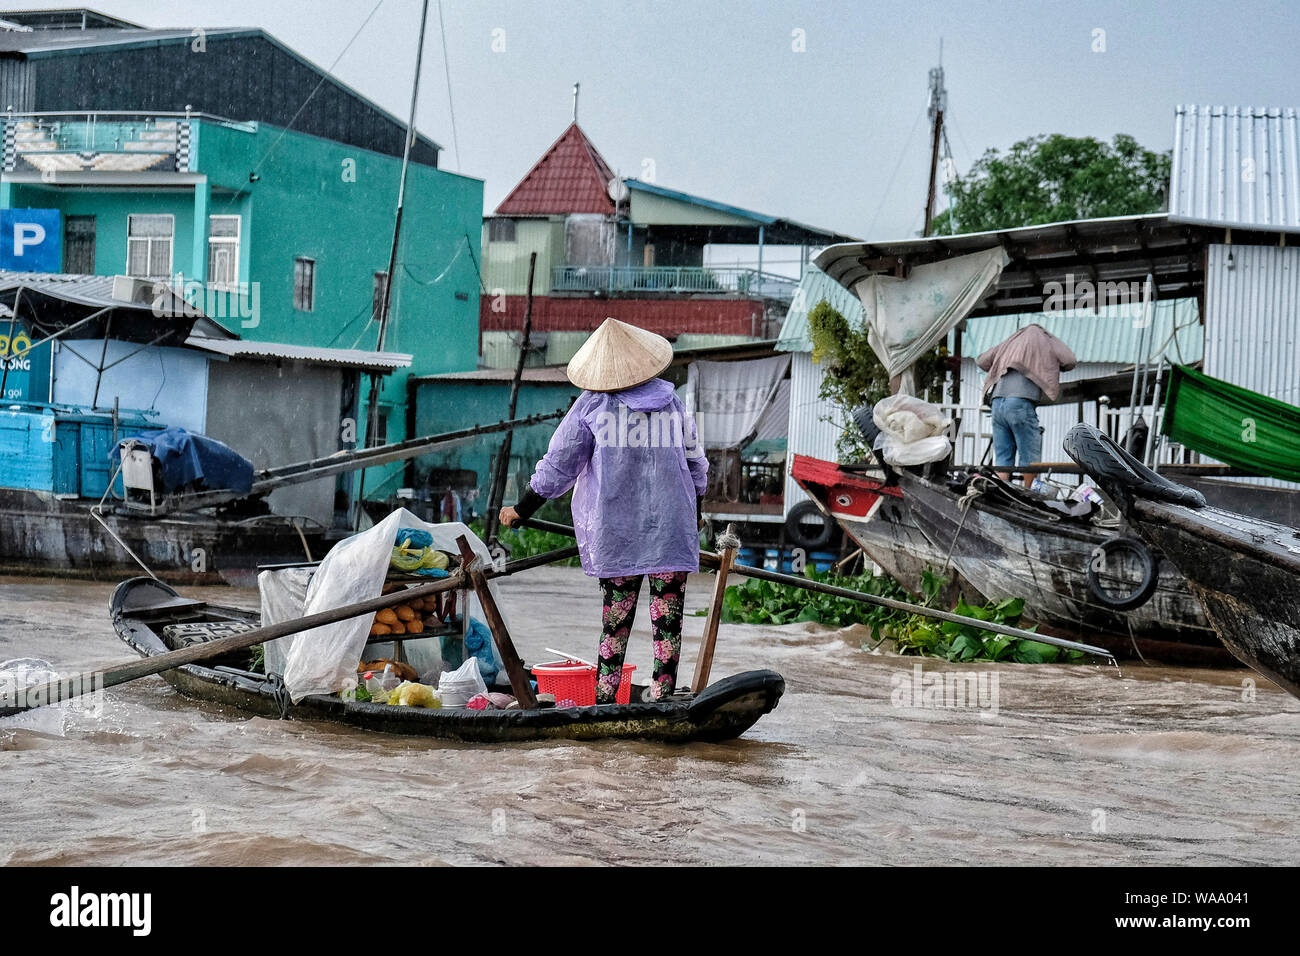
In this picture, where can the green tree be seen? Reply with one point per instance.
(855, 375)
(1054, 179)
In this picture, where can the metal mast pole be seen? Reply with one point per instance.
(372, 410)
(938, 103)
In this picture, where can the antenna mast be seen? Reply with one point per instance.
(938, 103)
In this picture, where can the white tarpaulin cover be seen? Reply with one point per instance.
(907, 317)
(324, 659)
(728, 398)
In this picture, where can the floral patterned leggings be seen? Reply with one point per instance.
(667, 590)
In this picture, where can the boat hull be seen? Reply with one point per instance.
(1246, 574)
(873, 514)
(43, 534)
(141, 608)
(1007, 553)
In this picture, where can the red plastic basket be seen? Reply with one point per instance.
(574, 683)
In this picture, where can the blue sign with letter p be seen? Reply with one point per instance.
(30, 240)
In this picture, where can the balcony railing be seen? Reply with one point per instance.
(101, 141)
(724, 280)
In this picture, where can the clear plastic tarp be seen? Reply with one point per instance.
(324, 659)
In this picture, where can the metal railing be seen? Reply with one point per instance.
(64, 141)
(722, 280)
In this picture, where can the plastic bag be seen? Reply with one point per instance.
(911, 430)
(457, 687)
(322, 660)
(415, 554)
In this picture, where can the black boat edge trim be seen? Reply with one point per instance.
(1150, 577)
(1117, 471)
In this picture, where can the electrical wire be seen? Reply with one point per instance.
(901, 156)
(326, 75)
(446, 65)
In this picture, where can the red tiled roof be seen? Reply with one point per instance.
(570, 177)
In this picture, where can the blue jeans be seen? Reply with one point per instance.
(1017, 439)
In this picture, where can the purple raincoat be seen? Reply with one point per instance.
(636, 467)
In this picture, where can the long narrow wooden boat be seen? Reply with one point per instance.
(872, 513)
(1245, 571)
(145, 611)
(1001, 544)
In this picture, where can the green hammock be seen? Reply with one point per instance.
(1253, 432)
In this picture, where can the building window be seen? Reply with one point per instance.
(149, 245)
(304, 284)
(79, 245)
(223, 251)
(377, 295)
(501, 230)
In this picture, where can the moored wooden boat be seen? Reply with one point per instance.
(1000, 545)
(873, 514)
(143, 609)
(1245, 571)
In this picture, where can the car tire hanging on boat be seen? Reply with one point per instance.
(799, 527)
(1102, 557)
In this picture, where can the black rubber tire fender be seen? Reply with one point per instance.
(1116, 470)
(797, 531)
(1150, 573)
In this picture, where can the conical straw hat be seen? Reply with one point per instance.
(619, 356)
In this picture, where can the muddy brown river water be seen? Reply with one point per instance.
(860, 763)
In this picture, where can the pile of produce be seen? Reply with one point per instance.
(405, 618)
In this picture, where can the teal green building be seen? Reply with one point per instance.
(252, 179)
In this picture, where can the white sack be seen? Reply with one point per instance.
(912, 432)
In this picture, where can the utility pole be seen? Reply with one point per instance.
(386, 299)
(938, 103)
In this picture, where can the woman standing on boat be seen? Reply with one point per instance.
(629, 450)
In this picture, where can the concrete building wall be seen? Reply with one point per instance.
(173, 383)
(279, 413)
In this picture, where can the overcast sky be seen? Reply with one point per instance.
(715, 99)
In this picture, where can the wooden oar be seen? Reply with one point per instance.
(79, 684)
(728, 542)
(710, 559)
(519, 681)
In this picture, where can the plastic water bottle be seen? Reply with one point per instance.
(374, 684)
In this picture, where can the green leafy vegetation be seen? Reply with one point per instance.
(855, 376)
(765, 602)
(257, 659)
(1055, 179)
(526, 542)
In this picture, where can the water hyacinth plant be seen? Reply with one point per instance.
(765, 602)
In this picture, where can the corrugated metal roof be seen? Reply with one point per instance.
(1236, 166)
(813, 288)
(1109, 335)
(571, 177)
(543, 375)
(349, 358)
(49, 41)
(784, 230)
(96, 292)
(1113, 334)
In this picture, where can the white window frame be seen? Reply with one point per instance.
(150, 240)
(311, 289)
(225, 241)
